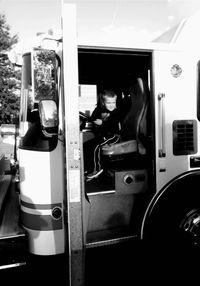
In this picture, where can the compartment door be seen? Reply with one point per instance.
(74, 226)
(176, 122)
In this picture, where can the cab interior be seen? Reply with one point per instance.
(116, 200)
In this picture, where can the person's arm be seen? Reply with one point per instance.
(96, 117)
(111, 124)
(94, 114)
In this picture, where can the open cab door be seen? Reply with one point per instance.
(74, 198)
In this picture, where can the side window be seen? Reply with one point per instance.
(87, 98)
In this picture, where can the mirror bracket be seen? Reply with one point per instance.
(48, 113)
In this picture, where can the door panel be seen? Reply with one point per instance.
(175, 108)
(74, 225)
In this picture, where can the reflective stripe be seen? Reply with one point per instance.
(39, 216)
(36, 211)
(40, 222)
(40, 206)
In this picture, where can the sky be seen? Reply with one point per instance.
(143, 20)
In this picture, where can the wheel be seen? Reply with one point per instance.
(172, 218)
(171, 229)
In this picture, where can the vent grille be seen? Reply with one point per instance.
(184, 137)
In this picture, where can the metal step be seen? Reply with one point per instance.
(109, 237)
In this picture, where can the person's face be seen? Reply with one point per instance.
(110, 103)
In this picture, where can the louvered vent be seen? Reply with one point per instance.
(184, 137)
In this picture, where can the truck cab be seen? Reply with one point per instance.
(149, 188)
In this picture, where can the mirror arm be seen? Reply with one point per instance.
(48, 37)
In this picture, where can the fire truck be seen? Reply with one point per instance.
(149, 189)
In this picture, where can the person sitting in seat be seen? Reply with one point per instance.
(106, 125)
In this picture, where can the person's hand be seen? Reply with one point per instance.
(98, 122)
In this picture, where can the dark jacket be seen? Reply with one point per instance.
(110, 125)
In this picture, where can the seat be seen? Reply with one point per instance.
(133, 126)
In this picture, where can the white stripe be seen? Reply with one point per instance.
(95, 167)
(100, 145)
(36, 211)
(12, 265)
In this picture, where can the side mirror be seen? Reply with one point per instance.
(44, 74)
(48, 117)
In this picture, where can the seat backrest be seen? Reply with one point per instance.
(134, 124)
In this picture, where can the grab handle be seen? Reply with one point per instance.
(161, 119)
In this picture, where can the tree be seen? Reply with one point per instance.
(9, 76)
